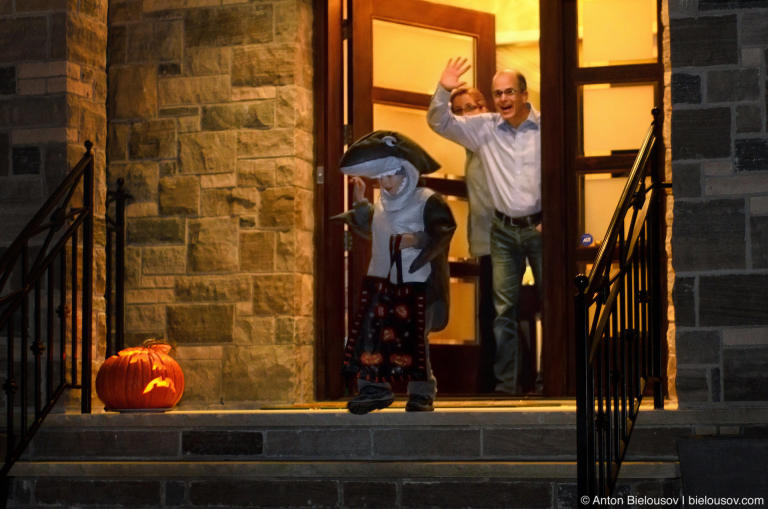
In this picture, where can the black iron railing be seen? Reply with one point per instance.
(46, 290)
(619, 325)
(114, 295)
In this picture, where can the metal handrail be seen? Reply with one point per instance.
(46, 305)
(619, 317)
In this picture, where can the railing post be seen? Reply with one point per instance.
(87, 300)
(121, 197)
(584, 398)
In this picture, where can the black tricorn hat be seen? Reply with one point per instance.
(360, 156)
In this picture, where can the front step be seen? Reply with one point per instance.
(454, 457)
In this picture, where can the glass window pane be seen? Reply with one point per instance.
(412, 122)
(459, 249)
(412, 58)
(601, 195)
(615, 117)
(461, 328)
(608, 37)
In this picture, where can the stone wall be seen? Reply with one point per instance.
(210, 125)
(720, 178)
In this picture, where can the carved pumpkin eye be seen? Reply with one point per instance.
(388, 334)
(371, 359)
(381, 311)
(401, 311)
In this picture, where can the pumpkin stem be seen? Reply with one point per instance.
(161, 345)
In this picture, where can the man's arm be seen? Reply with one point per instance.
(439, 117)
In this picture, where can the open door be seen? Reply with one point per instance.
(398, 49)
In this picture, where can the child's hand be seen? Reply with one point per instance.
(451, 77)
(358, 191)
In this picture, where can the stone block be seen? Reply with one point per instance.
(144, 318)
(86, 41)
(193, 90)
(261, 373)
(709, 235)
(275, 294)
(132, 267)
(686, 88)
(34, 111)
(295, 252)
(708, 5)
(204, 323)
(733, 85)
(744, 374)
(369, 494)
(164, 260)
(294, 107)
(701, 133)
(426, 443)
(683, 295)
(278, 208)
(212, 289)
(692, 386)
(78, 492)
(529, 444)
(169, 69)
(268, 493)
(118, 141)
(733, 300)
(156, 231)
(202, 382)
(704, 41)
(141, 180)
(222, 443)
(213, 245)
(218, 180)
(749, 118)
(7, 80)
(750, 183)
(528, 494)
(179, 196)
(23, 38)
(258, 173)
(155, 41)
(294, 330)
(754, 29)
(208, 152)
(686, 180)
(229, 26)
(309, 443)
(26, 160)
(257, 251)
(256, 66)
(758, 226)
(174, 493)
(129, 10)
(133, 91)
(5, 154)
(153, 139)
(5, 6)
(266, 143)
(752, 154)
(698, 347)
(204, 61)
(95, 444)
(256, 115)
(255, 330)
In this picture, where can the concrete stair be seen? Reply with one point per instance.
(470, 455)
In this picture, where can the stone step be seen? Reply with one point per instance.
(391, 484)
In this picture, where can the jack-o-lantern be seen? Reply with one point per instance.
(140, 377)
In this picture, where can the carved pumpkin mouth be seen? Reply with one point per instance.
(159, 383)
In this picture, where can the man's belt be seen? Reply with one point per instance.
(523, 221)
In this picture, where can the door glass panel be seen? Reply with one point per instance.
(459, 249)
(615, 117)
(412, 122)
(412, 58)
(617, 32)
(461, 314)
(601, 195)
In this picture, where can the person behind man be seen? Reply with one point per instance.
(508, 143)
(467, 102)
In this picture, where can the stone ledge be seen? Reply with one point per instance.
(332, 469)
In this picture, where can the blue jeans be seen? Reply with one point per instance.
(511, 245)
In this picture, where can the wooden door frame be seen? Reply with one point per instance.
(557, 343)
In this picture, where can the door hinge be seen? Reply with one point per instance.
(347, 134)
(346, 29)
(320, 176)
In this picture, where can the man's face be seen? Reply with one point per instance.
(465, 104)
(510, 102)
(391, 183)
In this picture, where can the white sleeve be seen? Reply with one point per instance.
(465, 131)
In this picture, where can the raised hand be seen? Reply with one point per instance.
(358, 190)
(451, 77)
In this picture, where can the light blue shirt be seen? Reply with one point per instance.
(511, 157)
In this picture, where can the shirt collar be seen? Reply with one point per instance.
(532, 122)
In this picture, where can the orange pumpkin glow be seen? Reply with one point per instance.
(140, 377)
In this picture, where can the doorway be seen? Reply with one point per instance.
(373, 79)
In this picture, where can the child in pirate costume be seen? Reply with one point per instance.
(405, 293)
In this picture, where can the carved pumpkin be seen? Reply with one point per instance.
(140, 377)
